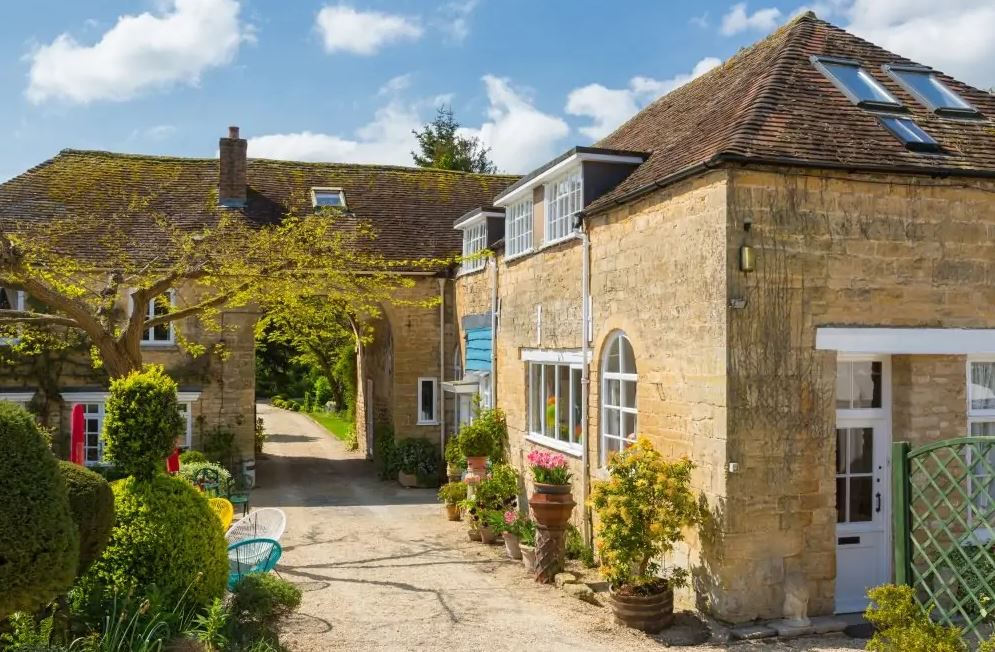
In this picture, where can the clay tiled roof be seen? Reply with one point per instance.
(411, 209)
(769, 103)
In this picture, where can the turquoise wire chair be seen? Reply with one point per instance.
(251, 556)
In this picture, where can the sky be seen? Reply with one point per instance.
(329, 81)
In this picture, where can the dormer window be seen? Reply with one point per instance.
(518, 228)
(856, 83)
(923, 84)
(563, 201)
(327, 198)
(474, 242)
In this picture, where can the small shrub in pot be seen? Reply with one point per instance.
(419, 458)
(642, 509)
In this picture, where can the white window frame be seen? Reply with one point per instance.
(327, 191)
(621, 376)
(563, 201)
(571, 446)
(434, 420)
(20, 298)
(474, 241)
(518, 228)
(149, 333)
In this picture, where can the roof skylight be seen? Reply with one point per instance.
(322, 197)
(911, 135)
(925, 87)
(856, 83)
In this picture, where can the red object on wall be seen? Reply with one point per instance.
(173, 462)
(76, 438)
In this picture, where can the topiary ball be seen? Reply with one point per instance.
(191, 457)
(91, 503)
(141, 421)
(39, 546)
(166, 543)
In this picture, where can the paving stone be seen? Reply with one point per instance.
(565, 577)
(581, 592)
(828, 624)
(752, 632)
(786, 629)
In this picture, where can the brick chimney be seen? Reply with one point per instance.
(232, 182)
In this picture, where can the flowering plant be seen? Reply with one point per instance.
(516, 523)
(549, 468)
(642, 509)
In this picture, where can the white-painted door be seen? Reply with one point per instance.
(863, 508)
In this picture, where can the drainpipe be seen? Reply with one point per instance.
(585, 377)
(494, 324)
(442, 365)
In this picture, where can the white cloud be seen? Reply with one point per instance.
(343, 29)
(139, 54)
(455, 18)
(520, 136)
(700, 21)
(387, 139)
(738, 20)
(608, 108)
(157, 133)
(954, 36)
(395, 85)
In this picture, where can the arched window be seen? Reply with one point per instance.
(618, 396)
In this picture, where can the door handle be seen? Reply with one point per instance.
(877, 497)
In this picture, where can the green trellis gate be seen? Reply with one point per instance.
(944, 514)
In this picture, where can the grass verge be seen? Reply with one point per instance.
(334, 423)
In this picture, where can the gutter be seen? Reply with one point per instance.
(494, 323)
(585, 381)
(721, 159)
(442, 365)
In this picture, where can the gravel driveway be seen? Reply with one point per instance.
(381, 568)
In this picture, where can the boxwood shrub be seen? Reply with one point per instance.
(189, 473)
(420, 458)
(189, 457)
(141, 421)
(39, 545)
(166, 543)
(91, 503)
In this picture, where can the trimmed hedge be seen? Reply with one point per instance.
(91, 503)
(192, 457)
(166, 544)
(39, 545)
(141, 421)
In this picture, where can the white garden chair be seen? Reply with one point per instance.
(265, 523)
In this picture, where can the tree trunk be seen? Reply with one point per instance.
(117, 359)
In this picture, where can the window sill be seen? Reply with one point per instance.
(470, 272)
(426, 423)
(158, 345)
(574, 450)
(552, 243)
(520, 254)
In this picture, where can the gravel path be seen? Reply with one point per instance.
(381, 568)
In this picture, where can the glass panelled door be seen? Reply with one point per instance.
(861, 513)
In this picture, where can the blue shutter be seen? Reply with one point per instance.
(478, 349)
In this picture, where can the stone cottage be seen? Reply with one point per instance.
(776, 270)
(410, 209)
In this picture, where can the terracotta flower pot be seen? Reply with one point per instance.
(476, 468)
(552, 504)
(487, 535)
(528, 557)
(648, 613)
(473, 533)
(512, 546)
(452, 511)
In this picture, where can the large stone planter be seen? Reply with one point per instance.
(647, 613)
(407, 479)
(552, 505)
(528, 557)
(487, 534)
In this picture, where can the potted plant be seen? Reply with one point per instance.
(455, 461)
(475, 444)
(494, 494)
(513, 523)
(551, 504)
(417, 463)
(451, 494)
(642, 509)
(527, 543)
(490, 524)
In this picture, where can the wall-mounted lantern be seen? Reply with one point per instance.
(747, 259)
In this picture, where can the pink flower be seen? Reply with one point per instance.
(545, 460)
(510, 517)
